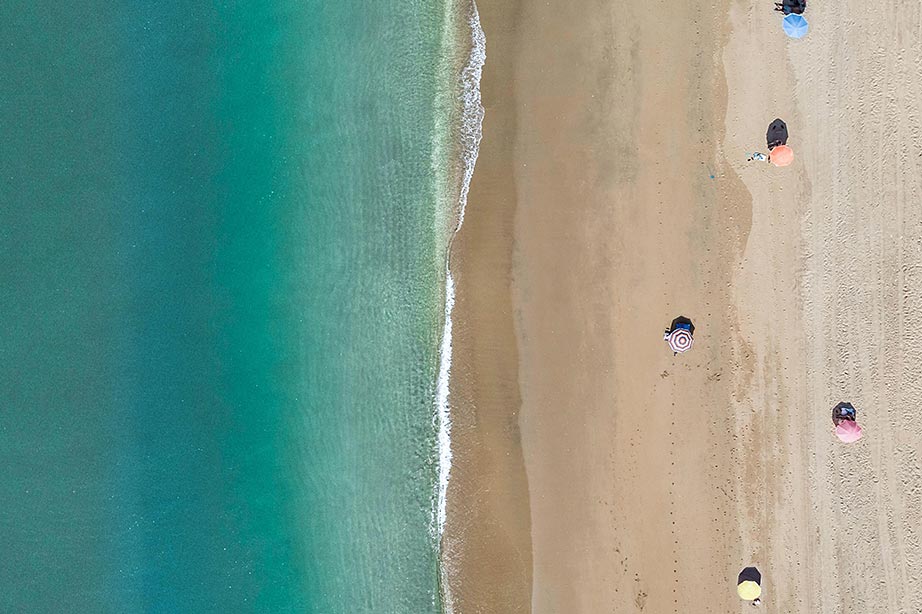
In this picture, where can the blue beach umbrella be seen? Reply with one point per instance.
(795, 25)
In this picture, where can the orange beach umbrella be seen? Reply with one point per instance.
(781, 155)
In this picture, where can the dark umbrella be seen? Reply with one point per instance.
(750, 573)
(682, 322)
(793, 6)
(749, 584)
(843, 411)
(777, 134)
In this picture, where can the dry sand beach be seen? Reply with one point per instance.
(829, 290)
(594, 471)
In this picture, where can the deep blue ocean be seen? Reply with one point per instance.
(222, 259)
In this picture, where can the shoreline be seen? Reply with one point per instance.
(485, 547)
(471, 132)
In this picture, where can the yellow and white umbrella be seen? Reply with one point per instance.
(748, 590)
(749, 584)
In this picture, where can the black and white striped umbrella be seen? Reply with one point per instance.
(680, 340)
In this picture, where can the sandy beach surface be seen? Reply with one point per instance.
(597, 472)
(828, 289)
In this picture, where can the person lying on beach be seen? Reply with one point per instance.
(761, 157)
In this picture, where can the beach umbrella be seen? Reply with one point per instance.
(748, 590)
(843, 411)
(749, 584)
(777, 134)
(680, 340)
(782, 155)
(793, 6)
(848, 431)
(795, 25)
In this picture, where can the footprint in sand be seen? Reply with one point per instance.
(640, 599)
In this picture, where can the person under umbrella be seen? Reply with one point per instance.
(843, 411)
(749, 585)
(844, 417)
(776, 138)
(679, 335)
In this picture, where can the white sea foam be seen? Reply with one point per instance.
(471, 131)
(472, 116)
(470, 135)
(441, 399)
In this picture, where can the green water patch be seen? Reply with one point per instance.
(221, 306)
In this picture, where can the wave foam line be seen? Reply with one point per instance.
(472, 114)
(471, 132)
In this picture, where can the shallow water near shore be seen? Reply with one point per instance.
(223, 260)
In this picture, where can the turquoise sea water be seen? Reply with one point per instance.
(221, 300)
